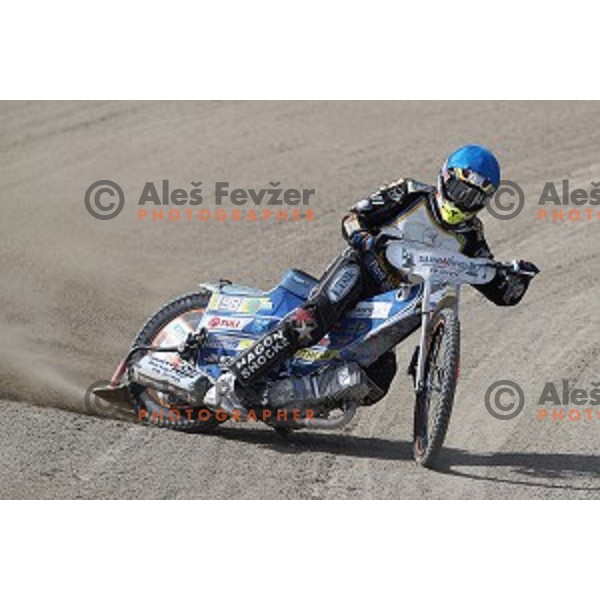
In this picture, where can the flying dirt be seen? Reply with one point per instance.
(76, 289)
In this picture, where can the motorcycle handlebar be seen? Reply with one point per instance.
(382, 239)
(514, 267)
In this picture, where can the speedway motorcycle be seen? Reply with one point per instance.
(182, 350)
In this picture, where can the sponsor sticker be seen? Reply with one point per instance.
(313, 354)
(264, 352)
(229, 303)
(370, 310)
(252, 305)
(239, 304)
(235, 323)
(343, 283)
(223, 342)
(243, 344)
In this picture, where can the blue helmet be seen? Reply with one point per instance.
(469, 178)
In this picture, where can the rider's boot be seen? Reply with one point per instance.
(224, 396)
(338, 290)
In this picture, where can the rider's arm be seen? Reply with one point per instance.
(369, 214)
(507, 288)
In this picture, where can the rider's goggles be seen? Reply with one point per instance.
(466, 189)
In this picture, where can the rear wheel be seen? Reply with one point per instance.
(167, 327)
(435, 400)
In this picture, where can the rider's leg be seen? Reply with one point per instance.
(338, 290)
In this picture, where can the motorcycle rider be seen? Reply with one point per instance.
(443, 217)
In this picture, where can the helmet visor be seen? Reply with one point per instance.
(466, 189)
(465, 195)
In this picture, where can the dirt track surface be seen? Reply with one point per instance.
(74, 291)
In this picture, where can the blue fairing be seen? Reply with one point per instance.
(238, 315)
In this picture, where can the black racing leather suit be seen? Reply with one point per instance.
(362, 271)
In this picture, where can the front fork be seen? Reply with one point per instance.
(426, 315)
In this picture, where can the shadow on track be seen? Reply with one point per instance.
(533, 469)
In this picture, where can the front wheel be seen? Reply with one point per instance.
(435, 399)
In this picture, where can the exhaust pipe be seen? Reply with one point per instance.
(335, 423)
